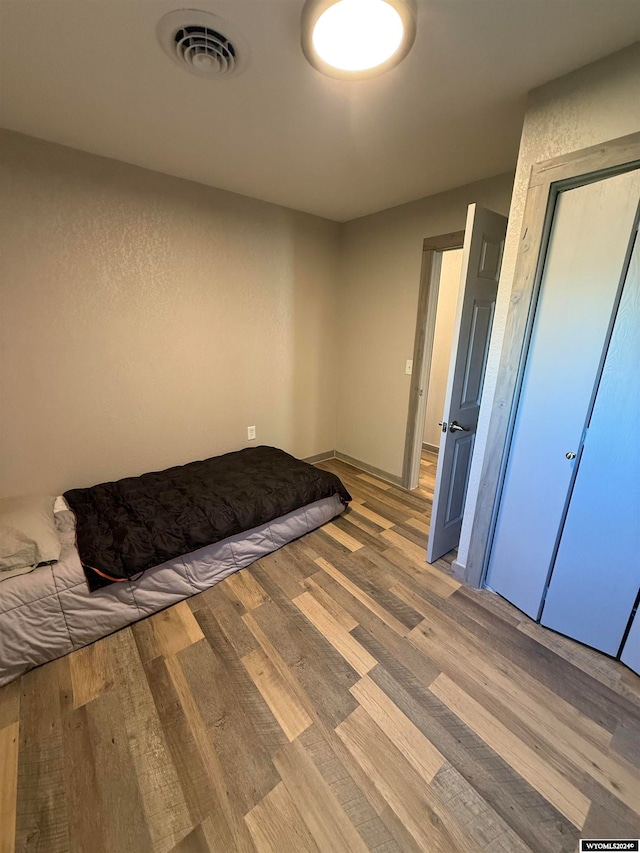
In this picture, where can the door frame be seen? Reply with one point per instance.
(432, 249)
(548, 178)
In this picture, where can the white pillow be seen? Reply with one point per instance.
(28, 534)
(65, 522)
(60, 504)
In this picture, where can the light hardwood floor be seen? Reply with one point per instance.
(339, 695)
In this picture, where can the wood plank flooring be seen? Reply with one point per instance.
(340, 695)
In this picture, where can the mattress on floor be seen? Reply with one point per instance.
(50, 612)
(130, 525)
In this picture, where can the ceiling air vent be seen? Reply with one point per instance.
(202, 43)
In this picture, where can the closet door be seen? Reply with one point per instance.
(584, 264)
(631, 651)
(596, 574)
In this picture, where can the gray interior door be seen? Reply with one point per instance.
(585, 263)
(596, 574)
(482, 255)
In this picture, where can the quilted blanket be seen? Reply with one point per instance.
(128, 526)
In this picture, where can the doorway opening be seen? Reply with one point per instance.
(458, 292)
(436, 386)
(433, 250)
(434, 390)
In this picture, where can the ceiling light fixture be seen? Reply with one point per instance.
(353, 39)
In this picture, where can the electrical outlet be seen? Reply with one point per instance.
(251, 432)
(409, 367)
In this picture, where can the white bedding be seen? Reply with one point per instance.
(49, 612)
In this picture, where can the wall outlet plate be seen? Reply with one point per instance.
(251, 432)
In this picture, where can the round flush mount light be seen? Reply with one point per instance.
(355, 39)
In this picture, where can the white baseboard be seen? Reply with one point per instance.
(430, 447)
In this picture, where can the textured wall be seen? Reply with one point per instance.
(594, 104)
(147, 321)
(442, 343)
(382, 254)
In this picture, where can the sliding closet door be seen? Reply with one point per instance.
(584, 264)
(631, 651)
(596, 574)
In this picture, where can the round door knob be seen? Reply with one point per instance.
(570, 455)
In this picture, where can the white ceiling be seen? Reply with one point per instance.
(90, 74)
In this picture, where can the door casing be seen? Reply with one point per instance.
(548, 179)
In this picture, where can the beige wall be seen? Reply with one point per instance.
(147, 321)
(594, 104)
(442, 343)
(378, 304)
